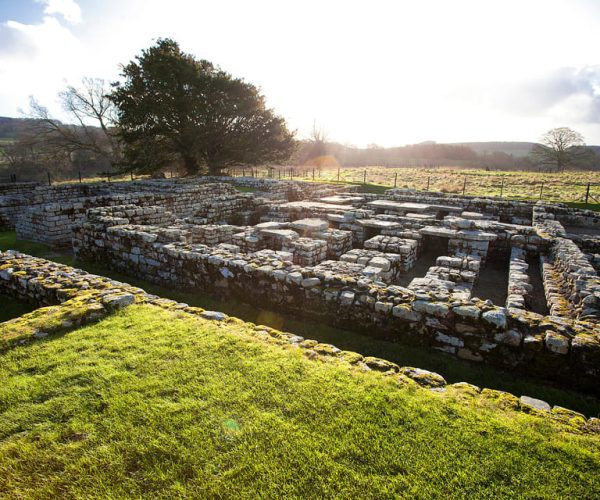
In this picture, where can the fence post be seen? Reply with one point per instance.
(313, 174)
(541, 190)
(395, 179)
(365, 177)
(587, 194)
(49, 180)
(131, 172)
(428, 179)
(338, 174)
(80, 177)
(502, 187)
(464, 185)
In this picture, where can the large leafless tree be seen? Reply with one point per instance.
(560, 148)
(90, 137)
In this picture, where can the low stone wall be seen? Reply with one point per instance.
(519, 288)
(235, 208)
(379, 266)
(581, 284)
(554, 348)
(17, 187)
(83, 298)
(518, 212)
(406, 249)
(51, 223)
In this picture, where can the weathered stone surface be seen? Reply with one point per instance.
(557, 343)
(118, 300)
(535, 404)
(423, 377)
(496, 317)
(214, 315)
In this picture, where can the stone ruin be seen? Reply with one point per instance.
(509, 283)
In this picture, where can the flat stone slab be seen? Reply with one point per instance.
(271, 225)
(342, 200)
(310, 225)
(411, 215)
(444, 232)
(396, 206)
(381, 224)
(473, 215)
(284, 234)
(313, 205)
(476, 235)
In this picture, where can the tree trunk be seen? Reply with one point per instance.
(213, 168)
(191, 165)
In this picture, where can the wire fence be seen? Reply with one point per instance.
(567, 187)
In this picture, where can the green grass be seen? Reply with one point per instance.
(452, 369)
(587, 206)
(154, 404)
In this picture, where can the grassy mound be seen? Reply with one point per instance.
(158, 403)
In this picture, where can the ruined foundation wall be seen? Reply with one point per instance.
(506, 210)
(52, 223)
(554, 348)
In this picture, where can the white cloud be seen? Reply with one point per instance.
(68, 9)
(390, 72)
(38, 60)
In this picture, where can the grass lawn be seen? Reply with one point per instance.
(158, 404)
(452, 369)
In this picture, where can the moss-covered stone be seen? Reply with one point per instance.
(422, 377)
(502, 399)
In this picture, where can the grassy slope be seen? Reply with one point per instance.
(452, 369)
(150, 403)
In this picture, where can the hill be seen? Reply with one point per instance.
(518, 149)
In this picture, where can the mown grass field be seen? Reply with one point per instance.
(155, 404)
(452, 369)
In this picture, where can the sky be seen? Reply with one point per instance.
(377, 72)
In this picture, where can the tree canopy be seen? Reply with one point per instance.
(174, 108)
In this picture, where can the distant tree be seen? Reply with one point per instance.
(560, 148)
(174, 108)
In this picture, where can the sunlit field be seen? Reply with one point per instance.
(563, 187)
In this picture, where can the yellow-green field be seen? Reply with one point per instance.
(564, 187)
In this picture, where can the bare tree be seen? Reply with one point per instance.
(560, 148)
(90, 104)
(89, 140)
(316, 149)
